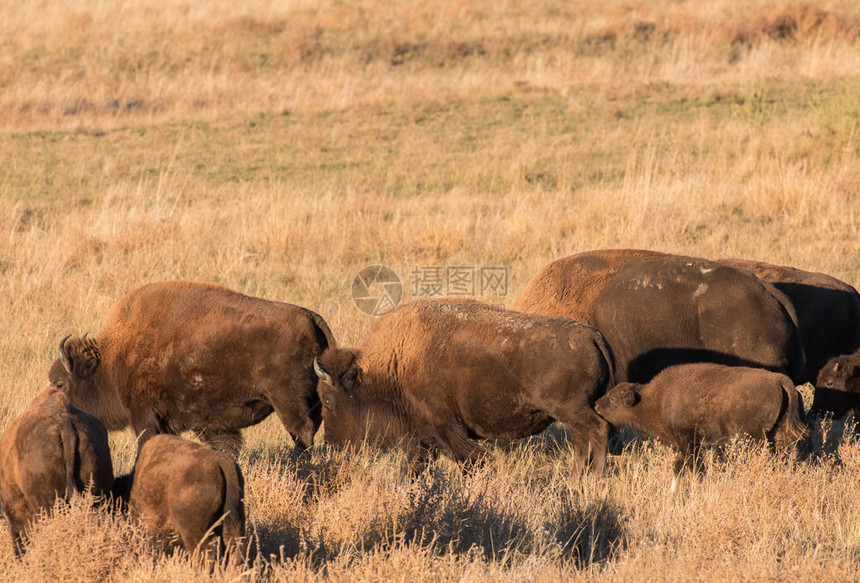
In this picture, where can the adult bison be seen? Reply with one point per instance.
(690, 405)
(828, 310)
(178, 356)
(837, 388)
(50, 451)
(186, 492)
(448, 372)
(656, 310)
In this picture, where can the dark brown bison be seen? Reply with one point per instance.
(688, 405)
(178, 356)
(656, 310)
(50, 451)
(837, 388)
(828, 310)
(188, 491)
(448, 372)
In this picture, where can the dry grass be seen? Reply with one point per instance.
(279, 148)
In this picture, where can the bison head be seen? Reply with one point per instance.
(615, 404)
(838, 386)
(355, 413)
(339, 377)
(72, 373)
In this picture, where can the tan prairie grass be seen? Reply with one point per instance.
(279, 148)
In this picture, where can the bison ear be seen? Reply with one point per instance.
(80, 356)
(628, 396)
(349, 380)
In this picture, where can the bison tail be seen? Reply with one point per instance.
(793, 427)
(327, 340)
(233, 509)
(796, 366)
(69, 438)
(609, 360)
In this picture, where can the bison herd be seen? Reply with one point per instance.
(686, 350)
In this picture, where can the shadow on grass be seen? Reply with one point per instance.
(444, 513)
(469, 520)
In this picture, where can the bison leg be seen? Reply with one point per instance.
(463, 449)
(689, 455)
(147, 425)
(18, 530)
(228, 441)
(18, 514)
(589, 438)
(298, 408)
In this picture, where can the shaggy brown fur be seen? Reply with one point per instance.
(451, 371)
(50, 451)
(687, 405)
(178, 356)
(828, 310)
(656, 310)
(188, 491)
(837, 388)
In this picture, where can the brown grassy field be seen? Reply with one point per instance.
(279, 148)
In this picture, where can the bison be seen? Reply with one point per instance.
(828, 310)
(188, 491)
(656, 310)
(445, 373)
(837, 388)
(50, 451)
(177, 356)
(688, 405)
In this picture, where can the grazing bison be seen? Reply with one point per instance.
(450, 371)
(828, 310)
(837, 388)
(687, 405)
(656, 310)
(186, 490)
(178, 356)
(50, 451)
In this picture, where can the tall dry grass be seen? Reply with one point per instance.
(279, 148)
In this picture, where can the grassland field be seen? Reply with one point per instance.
(279, 148)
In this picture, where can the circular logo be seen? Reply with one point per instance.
(376, 290)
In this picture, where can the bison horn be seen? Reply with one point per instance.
(836, 367)
(323, 375)
(64, 354)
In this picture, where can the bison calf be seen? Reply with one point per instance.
(184, 490)
(687, 405)
(448, 372)
(50, 451)
(838, 386)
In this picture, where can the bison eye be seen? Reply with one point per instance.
(829, 384)
(326, 401)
